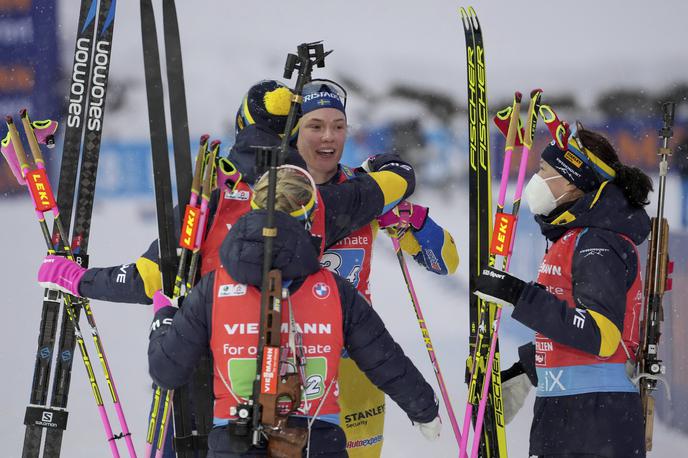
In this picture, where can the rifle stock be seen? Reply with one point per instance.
(657, 282)
(656, 276)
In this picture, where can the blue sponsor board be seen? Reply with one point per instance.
(28, 64)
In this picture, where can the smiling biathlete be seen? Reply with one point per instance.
(261, 119)
(321, 138)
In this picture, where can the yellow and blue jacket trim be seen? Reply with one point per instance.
(149, 271)
(432, 247)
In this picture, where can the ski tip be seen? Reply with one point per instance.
(22, 113)
(518, 96)
(535, 92)
(9, 120)
(204, 139)
(462, 12)
(474, 20)
(215, 144)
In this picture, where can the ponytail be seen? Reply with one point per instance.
(632, 181)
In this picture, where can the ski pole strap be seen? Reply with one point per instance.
(502, 120)
(227, 174)
(559, 130)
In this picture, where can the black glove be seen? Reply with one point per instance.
(498, 287)
(383, 161)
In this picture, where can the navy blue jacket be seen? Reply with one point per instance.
(604, 267)
(174, 349)
(348, 207)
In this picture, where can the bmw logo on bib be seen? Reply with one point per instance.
(321, 290)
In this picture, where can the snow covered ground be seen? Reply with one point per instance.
(123, 228)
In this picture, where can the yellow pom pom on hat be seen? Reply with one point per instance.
(266, 104)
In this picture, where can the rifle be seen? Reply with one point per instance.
(658, 268)
(261, 418)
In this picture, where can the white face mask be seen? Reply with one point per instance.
(539, 197)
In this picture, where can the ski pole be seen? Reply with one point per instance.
(533, 110)
(205, 167)
(43, 199)
(426, 337)
(206, 190)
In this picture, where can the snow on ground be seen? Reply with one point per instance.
(122, 229)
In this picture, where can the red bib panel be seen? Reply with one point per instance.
(555, 275)
(350, 258)
(231, 206)
(234, 340)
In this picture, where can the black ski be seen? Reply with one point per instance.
(201, 385)
(177, 94)
(38, 410)
(481, 314)
(92, 129)
(183, 422)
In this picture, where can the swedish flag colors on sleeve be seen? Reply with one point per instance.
(149, 272)
(432, 247)
(393, 188)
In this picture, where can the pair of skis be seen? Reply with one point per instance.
(86, 106)
(492, 441)
(190, 427)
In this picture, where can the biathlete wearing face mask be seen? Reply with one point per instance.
(321, 139)
(260, 120)
(584, 305)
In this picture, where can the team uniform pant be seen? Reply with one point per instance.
(362, 413)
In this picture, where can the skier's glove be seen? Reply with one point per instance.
(160, 301)
(61, 274)
(400, 218)
(431, 431)
(165, 309)
(515, 388)
(381, 162)
(498, 287)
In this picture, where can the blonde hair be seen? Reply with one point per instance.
(294, 191)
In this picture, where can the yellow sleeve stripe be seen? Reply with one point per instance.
(392, 185)
(450, 254)
(150, 274)
(610, 336)
(409, 243)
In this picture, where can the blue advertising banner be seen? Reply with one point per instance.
(28, 64)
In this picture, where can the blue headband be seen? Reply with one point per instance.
(322, 96)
